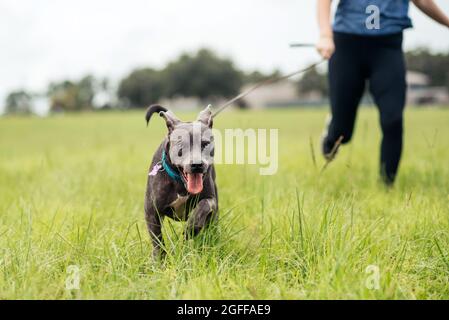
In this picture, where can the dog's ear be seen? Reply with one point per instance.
(152, 109)
(205, 117)
(170, 119)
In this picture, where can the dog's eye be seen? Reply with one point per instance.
(180, 153)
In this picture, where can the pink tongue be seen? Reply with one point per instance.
(194, 183)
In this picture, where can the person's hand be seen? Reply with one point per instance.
(326, 47)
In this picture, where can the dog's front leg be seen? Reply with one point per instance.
(204, 211)
(154, 225)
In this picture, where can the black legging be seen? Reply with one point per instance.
(380, 60)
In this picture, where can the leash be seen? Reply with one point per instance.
(263, 83)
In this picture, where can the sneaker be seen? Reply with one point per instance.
(327, 148)
(387, 179)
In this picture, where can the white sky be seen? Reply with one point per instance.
(45, 40)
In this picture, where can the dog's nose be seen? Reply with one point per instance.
(197, 167)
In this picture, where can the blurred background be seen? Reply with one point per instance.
(68, 56)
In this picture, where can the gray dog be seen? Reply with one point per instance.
(181, 179)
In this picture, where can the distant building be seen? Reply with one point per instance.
(420, 92)
(280, 94)
(285, 94)
(181, 103)
(190, 103)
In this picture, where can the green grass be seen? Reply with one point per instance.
(72, 187)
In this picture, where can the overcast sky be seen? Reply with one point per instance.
(47, 40)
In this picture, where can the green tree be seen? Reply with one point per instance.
(142, 87)
(436, 66)
(72, 96)
(19, 102)
(203, 75)
(313, 80)
(257, 76)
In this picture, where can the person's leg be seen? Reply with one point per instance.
(388, 87)
(346, 86)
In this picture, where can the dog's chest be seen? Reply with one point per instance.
(179, 206)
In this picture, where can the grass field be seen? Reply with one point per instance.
(71, 193)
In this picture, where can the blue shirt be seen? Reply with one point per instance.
(359, 17)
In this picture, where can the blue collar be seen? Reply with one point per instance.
(170, 171)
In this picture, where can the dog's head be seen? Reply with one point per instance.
(190, 146)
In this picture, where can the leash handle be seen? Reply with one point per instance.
(302, 45)
(263, 83)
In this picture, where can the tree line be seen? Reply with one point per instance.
(203, 74)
